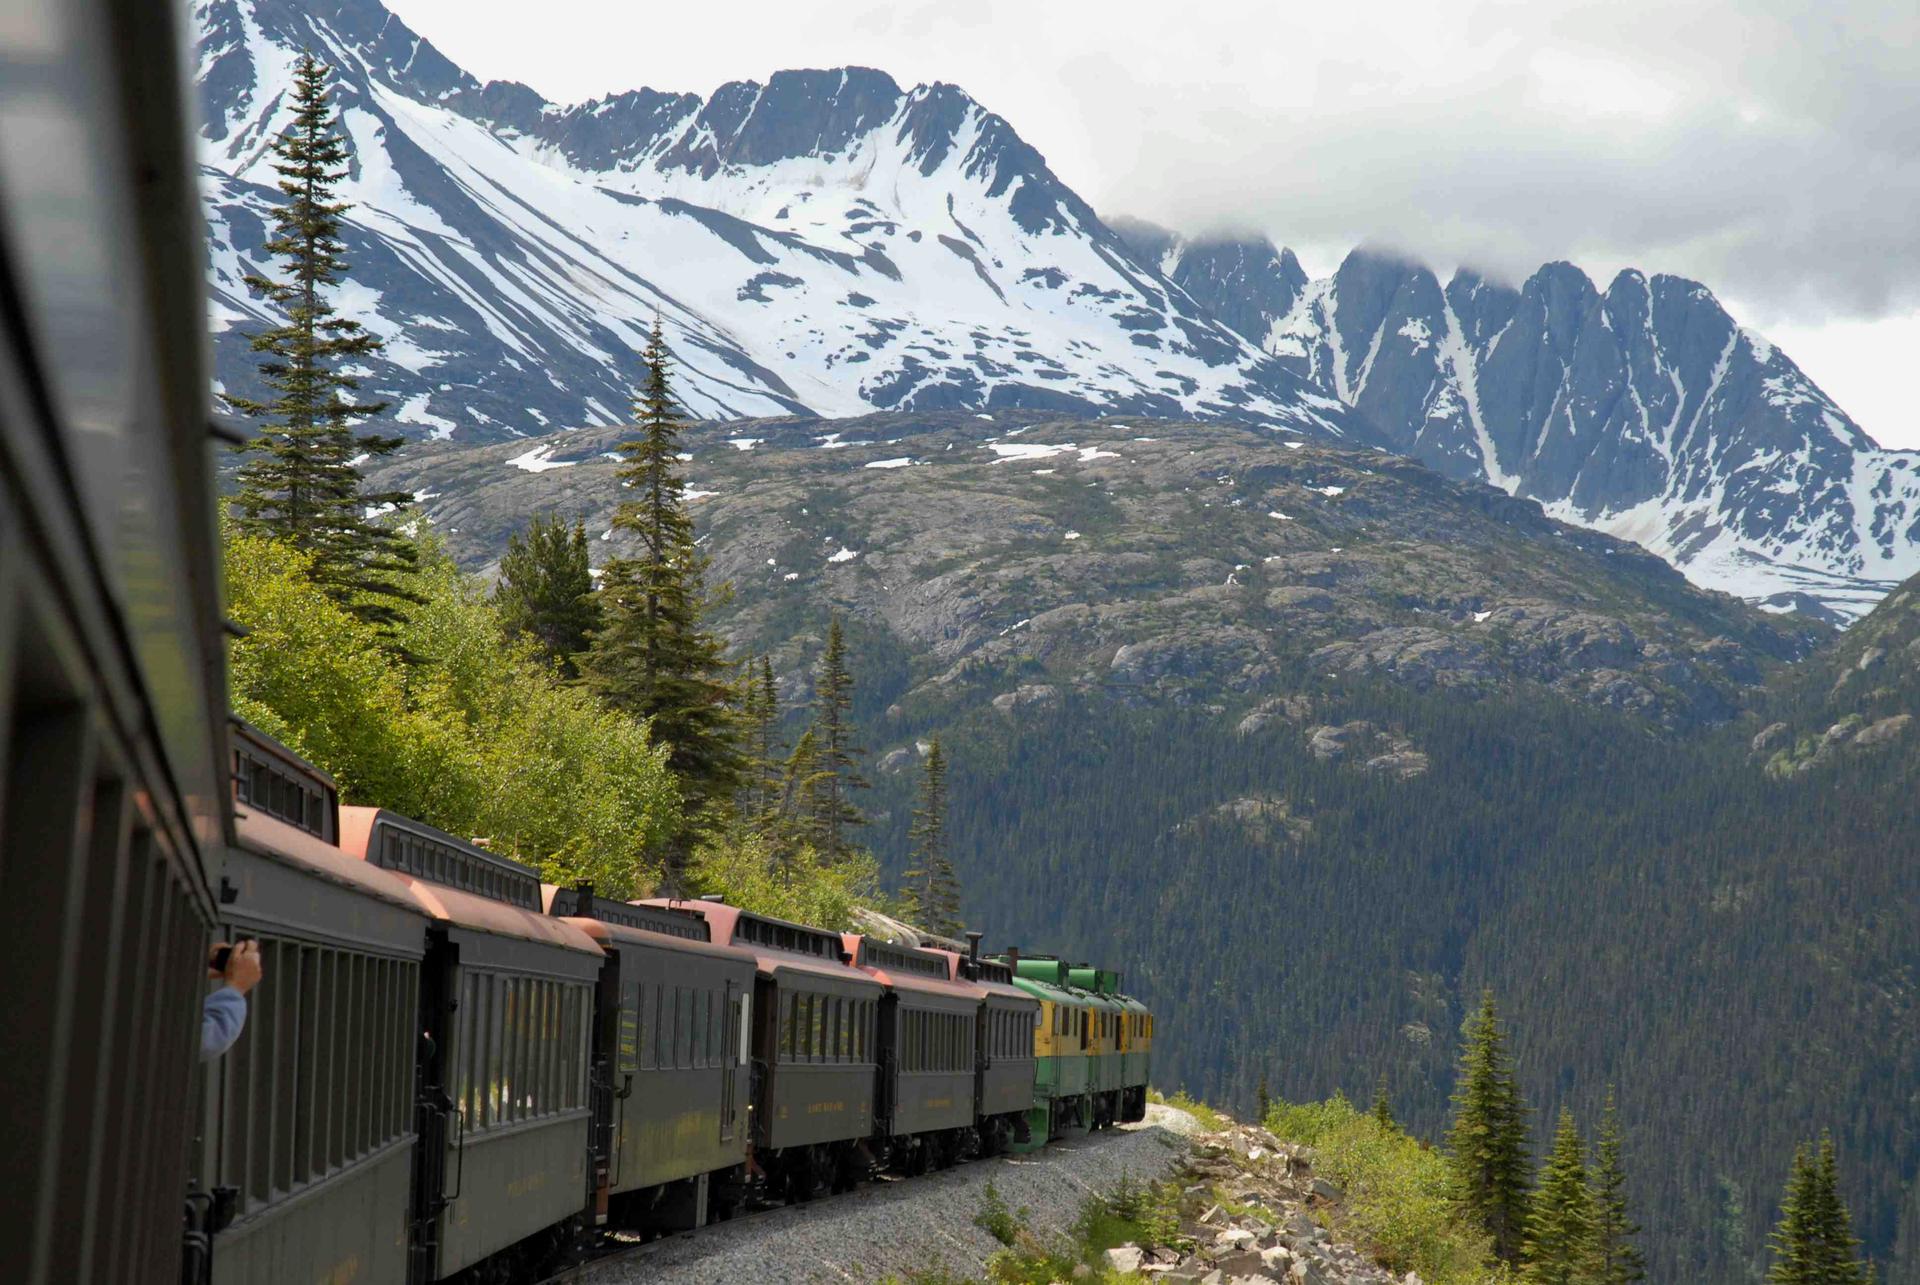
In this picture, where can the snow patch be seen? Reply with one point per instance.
(537, 460)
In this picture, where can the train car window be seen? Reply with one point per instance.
(643, 1052)
(523, 1037)
(310, 1086)
(490, 1044)
(560, 1065)
(650, 1025)
(359, 1081)
(467, 1050)
(546, 1047)
(503, 1035)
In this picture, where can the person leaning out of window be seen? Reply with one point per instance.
(225, 1010)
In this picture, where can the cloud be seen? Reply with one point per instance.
(1769, 149)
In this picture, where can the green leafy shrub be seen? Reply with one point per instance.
(1402, 1198)
(997, 1220)
(446, 722)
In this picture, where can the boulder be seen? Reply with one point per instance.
(1125, 1258)
(1884, 730)
(1027, 696)
(1326, 1191)
(1767, 735)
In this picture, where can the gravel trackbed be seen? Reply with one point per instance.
(896, 1228)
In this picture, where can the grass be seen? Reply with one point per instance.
(1132, 1213)
(1210, 1120)
(1402, 1197)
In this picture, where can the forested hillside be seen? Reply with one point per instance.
(1320, 747)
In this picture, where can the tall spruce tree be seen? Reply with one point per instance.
(1263, 1099)
(1617, 1260)
(1813, 1243)
(546, 590)
(653, 655)
(300, 482)
(1560, 1232)
(1488, 1138)
(838, 757)
(802, 782)
(760, 712)
(932, 889)
(1383, 1103)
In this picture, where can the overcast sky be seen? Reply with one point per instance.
(1769, 149)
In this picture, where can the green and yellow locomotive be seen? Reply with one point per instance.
(1092, 1048)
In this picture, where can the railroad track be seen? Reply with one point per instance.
(894, 1225)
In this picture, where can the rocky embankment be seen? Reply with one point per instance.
(1266, 1217)
(1252, 1210)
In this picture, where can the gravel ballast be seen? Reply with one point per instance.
(897, 1228)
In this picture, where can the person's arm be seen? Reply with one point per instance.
(221, 1020)
(224, 1014)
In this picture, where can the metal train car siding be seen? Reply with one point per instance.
(449, 1071)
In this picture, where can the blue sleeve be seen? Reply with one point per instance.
(221, 1019)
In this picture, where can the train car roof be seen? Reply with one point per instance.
(813, 951)
(454, 905)
(1003, 990)
(605, 931)
(1054, 994)
(257, 832)
(895, 967)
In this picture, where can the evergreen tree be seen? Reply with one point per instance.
(839, 757)
(1382, 1104)
(1813, 1243)
(1264, 1099)
(1489, 1134)
(546, 590)
(760, 712)
(802, 782)
(653, 656)
(1617, 1261)
(1560, 1233)
(300, 482)
(932, 890)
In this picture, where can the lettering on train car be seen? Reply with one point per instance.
(529, 1183)
(629, 1039)
(825, 1108)
(933, 1104)
(344, 1272)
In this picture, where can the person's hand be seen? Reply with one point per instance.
(214, 970)
(243, 966)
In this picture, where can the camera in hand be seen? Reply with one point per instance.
(221, 954)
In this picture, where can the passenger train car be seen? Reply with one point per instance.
(453, 1071)
(449, 1070)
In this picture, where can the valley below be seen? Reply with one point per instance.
(1325, 743)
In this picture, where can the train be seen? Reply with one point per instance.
(451, 1070)
(454, 1071)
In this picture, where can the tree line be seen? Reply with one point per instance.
(1569, 1224)
(633, 639)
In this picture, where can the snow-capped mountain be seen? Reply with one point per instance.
(1644, 411)
(825, 242)
(831, 243)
